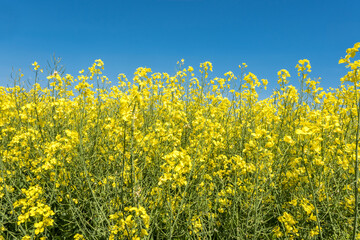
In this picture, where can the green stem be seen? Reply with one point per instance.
(313, 192)
(356, 191)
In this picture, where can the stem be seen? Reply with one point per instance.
(356, 161)
(312, 190)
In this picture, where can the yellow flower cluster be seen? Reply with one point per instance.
(132, 226)
(181, 156)
(33, 206)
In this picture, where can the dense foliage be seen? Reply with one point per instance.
(178, 157)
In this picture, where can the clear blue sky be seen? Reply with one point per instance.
(266, 34)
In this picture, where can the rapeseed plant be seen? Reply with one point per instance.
(179, 157)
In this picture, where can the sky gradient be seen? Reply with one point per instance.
(267, 35)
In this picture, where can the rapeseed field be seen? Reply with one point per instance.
(179, 157)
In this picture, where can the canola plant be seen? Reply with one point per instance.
(179, 157)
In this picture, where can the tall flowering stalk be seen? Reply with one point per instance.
(352, 76)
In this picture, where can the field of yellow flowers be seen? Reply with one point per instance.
(179, 157)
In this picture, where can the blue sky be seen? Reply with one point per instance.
(268, 35)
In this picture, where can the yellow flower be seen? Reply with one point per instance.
(293, 202)
(283, 74)
(289, 140)
(99, 63)
(277, 232)
(314, 231)
(303, 65)
(304, 131)
(265, 83)
(143, 233)
(78, 236)
(36, 66)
